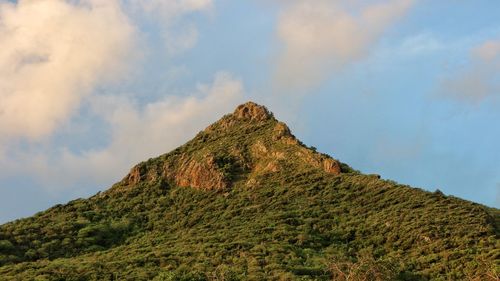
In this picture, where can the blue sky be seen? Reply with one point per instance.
(406, 89)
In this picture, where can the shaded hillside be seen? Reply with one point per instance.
(246, 200)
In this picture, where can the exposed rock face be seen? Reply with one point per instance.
(281, 130)
(203, 175)
(331, 166)
(259, 149)
(140, 173)
(134, 176)
(252, 111)
(248, 111)
(282, 133)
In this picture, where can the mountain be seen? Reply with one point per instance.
(246, 200)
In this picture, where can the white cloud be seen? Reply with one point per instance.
(480, 78)
(322, 36)
(137, 132)
(53, 53)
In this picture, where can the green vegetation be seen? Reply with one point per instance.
(279, 218)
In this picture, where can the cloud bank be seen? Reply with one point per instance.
(322, 36)
(137, 132)
(52, 54)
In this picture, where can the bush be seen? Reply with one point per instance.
(6, 246)
(364, 268)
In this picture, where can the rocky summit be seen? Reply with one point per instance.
(246, 200)
(246, 144)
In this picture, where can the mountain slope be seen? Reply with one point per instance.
(246, 200)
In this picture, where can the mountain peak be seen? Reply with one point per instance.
(239, 149)
(257, 204)
(252, 111)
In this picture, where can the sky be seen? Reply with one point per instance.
(408, 89)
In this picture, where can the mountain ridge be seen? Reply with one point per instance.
(246, 200)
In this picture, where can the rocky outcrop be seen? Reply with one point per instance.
(319, 160)
(185, 171)
(134, 176)
(259, 149)
(282, 133)
(331, 166)
(140, 173)
(246, 112)
(252, 111)
(203, 174)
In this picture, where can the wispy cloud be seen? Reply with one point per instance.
(322, 36)
(479, 79)
(178, 32)
(421, 43)
(52, 54)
